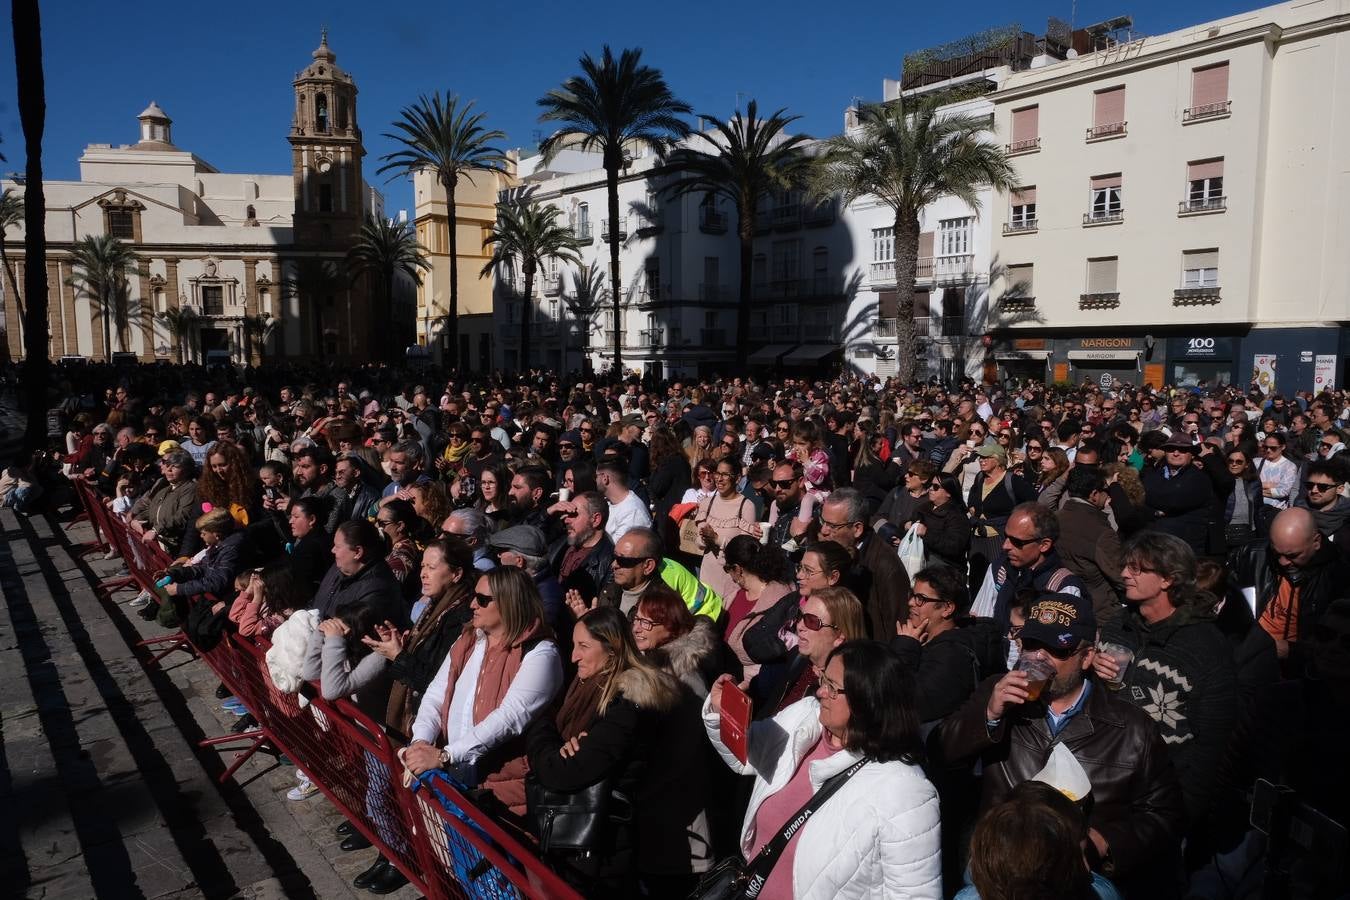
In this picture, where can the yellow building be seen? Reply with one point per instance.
(475, 212)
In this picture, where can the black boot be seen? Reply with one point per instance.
(365, 878)
(388, 881)
(355, 841)
(345, 829)
(222, 692)
(245, 723)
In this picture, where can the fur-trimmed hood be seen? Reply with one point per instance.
(687, 654)
(649, 689)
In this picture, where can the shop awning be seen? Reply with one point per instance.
(1104, 356)
(808, 353)
(1022, 354)
(768, 355)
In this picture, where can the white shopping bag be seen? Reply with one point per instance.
(912, 552)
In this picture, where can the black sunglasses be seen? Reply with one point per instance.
(629, 562)
(1059, 653)
(784, 483)
(1319, 486)
(1019, 543)
(482, 601)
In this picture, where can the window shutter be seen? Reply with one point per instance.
(1108, 107)
(1102, 275)
(954, 301)
(1020, 283)
(1209, 85)
(1202, 259)
(1025, 124)
(925, 245)
(922, 304)
(886, 303)
(1211, 168)
(1023, 196)
(1100, 182)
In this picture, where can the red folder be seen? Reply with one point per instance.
(735, 725)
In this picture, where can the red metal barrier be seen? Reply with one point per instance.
(444, 845)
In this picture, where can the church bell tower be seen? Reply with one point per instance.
(326, 154)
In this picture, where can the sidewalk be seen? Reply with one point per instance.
(110, 796)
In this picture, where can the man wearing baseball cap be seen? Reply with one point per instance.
(1137, 815)
(1180, 493)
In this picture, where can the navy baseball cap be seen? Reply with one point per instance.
(1061, 621)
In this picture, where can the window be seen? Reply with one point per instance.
(122, 224)
(1200, 269)
(583, 225)
(1108, 113)
(786, 260)
(1023, 213)
(1105, 197)
(1021, 285)
(321, 112)
(954, 236)
(883, 245)
(820, 270)
(653, 268)
(1025, 129)
(759, 269)
(1209, 92)
(325, 197)
(1204, 185)
(342, 113)
(213, 300)
(1101, 275)
(710, 320)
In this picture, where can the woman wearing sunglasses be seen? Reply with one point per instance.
(942, 523)
(1243, 502)
(828, 617)
(497, 676)
(876, 833)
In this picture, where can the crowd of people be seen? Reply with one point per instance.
(999, 641)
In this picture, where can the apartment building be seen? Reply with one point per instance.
(1181, 207)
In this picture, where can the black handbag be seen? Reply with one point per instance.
(733, 878)
(574, 820)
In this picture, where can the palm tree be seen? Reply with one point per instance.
(26, 19)
(179, 321)
(315, 282)
(524, 236)
(383, 249)
(750, 157)
(449, 139)
(11, 214)
(98, 264)
(614, 106)
(907, 157)
(257, 329)
(588, 292)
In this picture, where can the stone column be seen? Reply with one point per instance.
(57, 318)
(171, 302)
(13, 322)
(147, 310)
(251, 311)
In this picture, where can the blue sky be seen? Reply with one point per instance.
(223, 71)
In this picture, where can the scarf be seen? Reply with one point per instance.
(455, 457)
(580, 706)
(401, 711)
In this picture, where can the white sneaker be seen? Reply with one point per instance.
(141, 601)
(302, 791)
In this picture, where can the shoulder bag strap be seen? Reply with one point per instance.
(756, 874)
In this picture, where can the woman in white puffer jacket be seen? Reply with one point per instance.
(878, 836)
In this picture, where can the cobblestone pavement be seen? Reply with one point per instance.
(104, 790)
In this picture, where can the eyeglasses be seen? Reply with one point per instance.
(1319, 486)
(586, 430)
(916, 597)
(1237, 461)
(809, 573)
(723, 475)
(784, 483)
(641, 623)
(482, 601)
(826, 523)
(1030, 646)
(829, 688)
(1019, 543)
(1035, 448)
(813, 622)
(781, 430)
(567, 445)
(1269, 447)
(935, 486)
(629, 562)
(385, 523)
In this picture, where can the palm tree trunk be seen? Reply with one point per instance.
(105, 301)
(525, 320)
(394, 336)
(906, 231)
(452, 320)
(612, 193)
(26, 22)
(746, 219)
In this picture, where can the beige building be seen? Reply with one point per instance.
(1182, 204)
(475, 212)
(215, 251)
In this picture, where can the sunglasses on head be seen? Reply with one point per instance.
(814, 622)
(482, 601)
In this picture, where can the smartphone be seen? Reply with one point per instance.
(734, 727)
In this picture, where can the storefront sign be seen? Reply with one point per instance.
(1028, 344)
(1324, 372)
(1202, 348)
(1305, 356)
(1106, 380)
(1107, 343)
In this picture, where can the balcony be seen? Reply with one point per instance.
(953, 326)
(787, 217)
(816, 286)
(583, 233)
(1197, 206)
(714, 292)
(1017, 148)
(609, 334)
(649, 222)
(885, 328)
(818, 215)
(1105, 132)
(551, 284)
(883, 272)
(213, 305)
(1221, 110)
(1196, 296)
(651, 337)
(622, 229)
(949, 268)
(1026, 226)
(710, 221)
(1099, 300)
(1016, 304)
(711, 338)
(1104, 216)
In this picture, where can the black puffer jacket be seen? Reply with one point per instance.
(1184, 677)
(947, 540)
(948, 668)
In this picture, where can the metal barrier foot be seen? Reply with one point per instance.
(113, 585)
(176, 641)
(255, 741)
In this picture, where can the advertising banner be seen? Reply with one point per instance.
(1263, 372)
(1324, 372)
